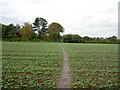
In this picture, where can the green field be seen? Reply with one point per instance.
(31, 64)
(94, 65)
(38, 65)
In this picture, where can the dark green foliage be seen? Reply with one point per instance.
(12, 39)
(49, 33)
(40, 25)
(36, 24)
(113, 39)
(86, 38)
(69, 38)
(10, 31)
(18, 27)
(34, 36)
(72, 38)
(108, 40)
(3, 29)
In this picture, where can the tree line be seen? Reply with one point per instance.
(74, 38)
(39, 30)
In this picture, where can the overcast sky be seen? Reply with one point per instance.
(84, 17)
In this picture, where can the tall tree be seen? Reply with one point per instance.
(36, 24)
(18, 27)
(10, 31)
(113, 39)
(26, 31)
(54, 30)
(3, 30)
(70, 38)
(40, 25)
(85, 38)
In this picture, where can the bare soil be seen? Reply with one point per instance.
(65, 78)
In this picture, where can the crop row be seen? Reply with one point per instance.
(39, 69)
(98, 69)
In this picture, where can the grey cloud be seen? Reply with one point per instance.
(104, 24)
(8, 20)
(103, 28)
(77, 17)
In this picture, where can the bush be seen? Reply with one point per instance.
(69, 38)
(12, 39)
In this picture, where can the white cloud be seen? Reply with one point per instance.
(83, 17)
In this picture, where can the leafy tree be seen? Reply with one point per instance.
(17, 27)
(54, 31)
(26, 31)
(17, 31)
(40, 25)
(72, 38)
(34, 36)
(113, 39)
(86, 38)
(67, 38)
(94, 39)
(10, 31)
(98, 39)
(4, 30)
(101, 39)
(76, 38)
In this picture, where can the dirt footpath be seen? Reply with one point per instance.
(65, 79)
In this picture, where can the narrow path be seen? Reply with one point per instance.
(65, 78)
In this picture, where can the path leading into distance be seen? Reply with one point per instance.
(65, 78)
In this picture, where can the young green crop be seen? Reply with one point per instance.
(38, 65)
(93, 65)
(31, 65)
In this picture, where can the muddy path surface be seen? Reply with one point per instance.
(65, 78)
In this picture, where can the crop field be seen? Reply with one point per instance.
(94, 65)
(39, 65)
(27, 64)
